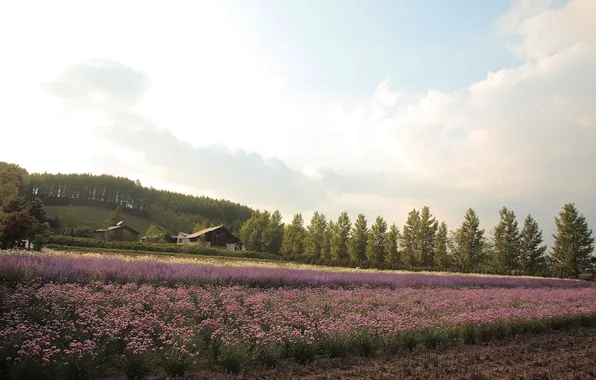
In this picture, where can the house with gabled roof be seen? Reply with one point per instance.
(216, 237)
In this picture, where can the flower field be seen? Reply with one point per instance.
(86, 317)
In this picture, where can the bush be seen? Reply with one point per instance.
(69, 241)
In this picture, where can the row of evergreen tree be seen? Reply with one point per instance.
(426, 243)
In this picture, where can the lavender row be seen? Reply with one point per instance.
(84, 269)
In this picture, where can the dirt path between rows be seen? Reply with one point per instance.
(553, 355)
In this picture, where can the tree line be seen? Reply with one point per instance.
(174, 211)
(425, 243)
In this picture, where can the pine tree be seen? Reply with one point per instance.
(532, 251)
(469, 243)
(442, 259)
(293, 241)
(274, 233)
(573, 246)
(392, 253)
(315, 234)
(377, 242)
(409, 242)
(506, 244)
(425, 236)
(114, 218)
(326, 249)
(340, 238)
(358, 240)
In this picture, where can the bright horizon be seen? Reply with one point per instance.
(374, 107)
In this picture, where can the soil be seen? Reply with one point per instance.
(567, 354)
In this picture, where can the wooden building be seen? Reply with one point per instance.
(120, 232)
(216, 237)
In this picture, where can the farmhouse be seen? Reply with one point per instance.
(119, 232)
(216, 237)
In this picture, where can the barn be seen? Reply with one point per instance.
(119, 232)
(216, 237)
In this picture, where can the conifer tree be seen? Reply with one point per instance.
(469, 243)
(506, 244)
(358, 240)
(532, 251)
(409, 242)
(273, 234)
(293, 241)
(442, 259)
(328, 236)
(425, 236)
(315, 234)
(377, 242)
(573, 246)
(340, 238)
(392, 253)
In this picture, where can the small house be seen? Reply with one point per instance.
(216, 237)
(119, 232)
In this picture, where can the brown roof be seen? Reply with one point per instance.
(202, 232)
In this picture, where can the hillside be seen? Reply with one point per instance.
(100, 194)
(95, 216)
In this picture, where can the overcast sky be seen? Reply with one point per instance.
(301, 105)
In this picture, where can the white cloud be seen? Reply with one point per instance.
(522, 137)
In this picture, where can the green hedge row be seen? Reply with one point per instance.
(70, 241)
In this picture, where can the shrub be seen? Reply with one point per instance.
(70, 241)
(233, 358)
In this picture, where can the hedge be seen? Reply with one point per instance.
(70, 241)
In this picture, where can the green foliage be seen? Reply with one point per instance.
(155, 234)
(61, 241)
(507, 244)
(17, 226)
(293, 241)
(573, 245)
(392, 253)
(83, 231)
(425, 236)
(272, 237)
(233, 358)
(327, 237)
(358, 240)
(532, 251)
(199, 227)
(315, 234)
(442, 258)
(340, 238)
(92, 217)
(252, 231)
(114, 218)
(469, 243)
(173, 211)
(377, 242)
(409, 242)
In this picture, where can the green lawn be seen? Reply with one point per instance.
(95, 216)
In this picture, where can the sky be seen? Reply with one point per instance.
(373, 107)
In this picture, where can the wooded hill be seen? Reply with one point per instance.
(171, 210)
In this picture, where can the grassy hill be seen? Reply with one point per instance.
(95, 216)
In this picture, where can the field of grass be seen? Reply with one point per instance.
(95, 216)
(89, 315)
